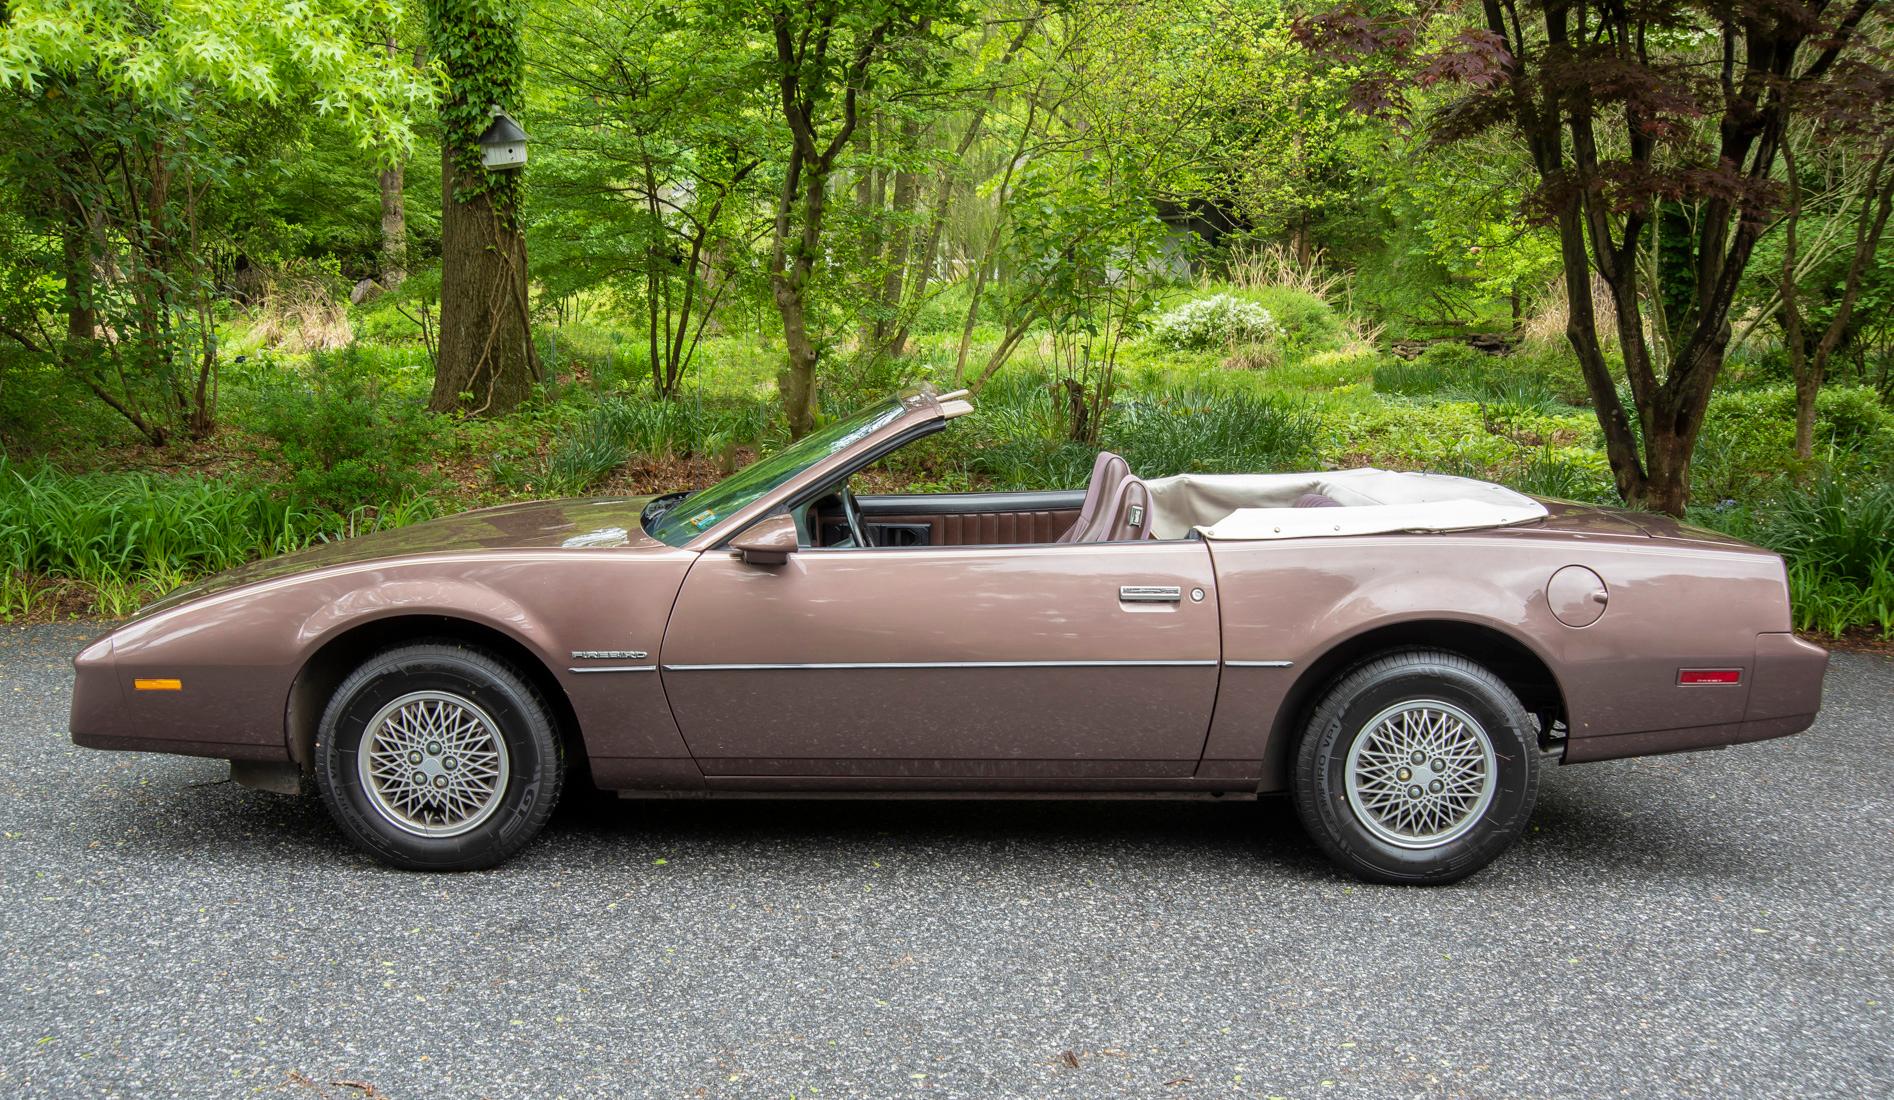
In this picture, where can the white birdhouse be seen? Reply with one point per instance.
(503, 145)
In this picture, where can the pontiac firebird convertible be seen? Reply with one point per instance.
(1401, 652)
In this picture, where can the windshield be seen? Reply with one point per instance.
(700, 511)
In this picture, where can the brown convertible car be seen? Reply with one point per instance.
(1401, 652)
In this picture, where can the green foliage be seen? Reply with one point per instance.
(477, 43)
(1309, 324)
(1192, 432)
(127, 538)
(1837, 537)
(167, 53)
(1219, 321)
(1458, 372)
(620, 428)
(345, 438)
(1748, 438)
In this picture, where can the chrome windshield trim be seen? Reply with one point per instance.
(937, 664)
(614, 668)
(1259, 664)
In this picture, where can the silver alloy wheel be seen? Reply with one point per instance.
(1421, 773)
(433, 764)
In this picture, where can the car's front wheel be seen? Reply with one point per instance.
(438, 757)
(1418, 766)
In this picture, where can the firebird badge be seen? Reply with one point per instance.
(609, 654)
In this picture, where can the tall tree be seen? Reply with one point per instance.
(1624, 108)
(826, 56)
(655, 127)
(487, 363)
(135, 128)
(391, 183)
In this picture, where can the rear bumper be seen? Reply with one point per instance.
(1785, 693)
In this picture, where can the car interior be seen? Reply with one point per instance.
(1114, 506)
(1118, 506)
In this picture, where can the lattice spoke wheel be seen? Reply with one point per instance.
(433, 764)
(438, 756)
(1420, 773)
(1417, 766)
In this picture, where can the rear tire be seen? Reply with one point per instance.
(437, 757)
(1418, 767)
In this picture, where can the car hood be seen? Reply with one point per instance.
(541, 524)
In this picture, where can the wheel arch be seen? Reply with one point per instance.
(344, 651)
(1516, 663)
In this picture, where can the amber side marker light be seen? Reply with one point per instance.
(142, 684)
(1710, 676)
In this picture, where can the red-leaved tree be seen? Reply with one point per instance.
(1634, 115)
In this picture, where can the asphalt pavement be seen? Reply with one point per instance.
(1712, 924)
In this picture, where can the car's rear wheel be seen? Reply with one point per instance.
(1418, 766)
(438, 757)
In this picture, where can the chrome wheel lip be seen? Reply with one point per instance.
(1441, 733)
(448, 792)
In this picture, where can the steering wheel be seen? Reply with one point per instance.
(852, 512)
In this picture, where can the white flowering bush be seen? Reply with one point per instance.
(1219, 321)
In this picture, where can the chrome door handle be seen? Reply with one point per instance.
(1150, 593)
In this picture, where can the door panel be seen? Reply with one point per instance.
(979, 662)
(985, 528)
(978, 519)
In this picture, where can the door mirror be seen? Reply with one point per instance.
(769, 541)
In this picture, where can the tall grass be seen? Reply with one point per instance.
(1016, 439)
(1184, 431)
(129, 537)
(616, 429)
(1838, 540)
(1454, 372)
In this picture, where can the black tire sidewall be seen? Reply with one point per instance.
(533, 755)
(1368, 690)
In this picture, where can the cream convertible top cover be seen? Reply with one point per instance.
(1261, 506)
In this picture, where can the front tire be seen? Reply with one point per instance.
(437, 757)
(1418, 767)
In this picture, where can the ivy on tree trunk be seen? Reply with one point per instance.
(487, 363)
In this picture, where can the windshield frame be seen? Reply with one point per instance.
(818, 458)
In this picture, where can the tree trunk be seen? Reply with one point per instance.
(487, 362)
(394, 214)
(789, 285)
(1808, 383)
(890, 335)
(394, 227)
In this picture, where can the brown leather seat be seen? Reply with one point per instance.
(1108, 472)
(1125, 518)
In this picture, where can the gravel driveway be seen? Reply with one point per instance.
(1713, 924)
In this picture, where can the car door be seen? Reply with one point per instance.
(1072, 661)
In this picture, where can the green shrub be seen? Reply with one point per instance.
(347, 441)
(1748, 439)
(615, 430)
(1566, 474)
(1308, 323)
(1219, 321)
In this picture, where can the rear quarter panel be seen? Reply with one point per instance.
(1289, 603)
